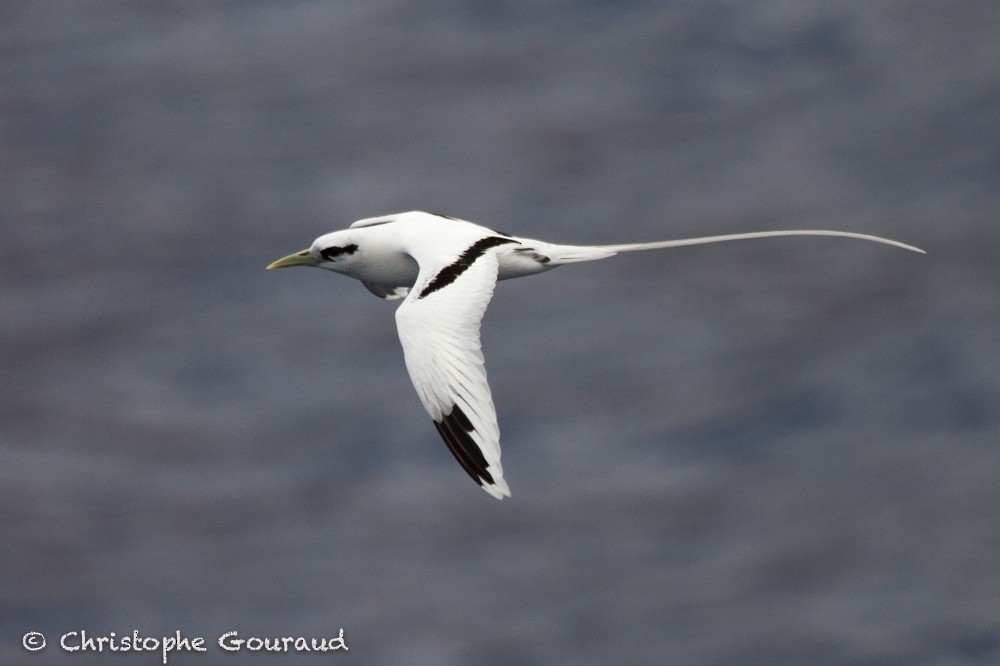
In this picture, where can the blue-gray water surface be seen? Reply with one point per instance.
(773, 452)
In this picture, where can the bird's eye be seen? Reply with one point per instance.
(331, 253)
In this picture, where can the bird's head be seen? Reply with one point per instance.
(333, 252)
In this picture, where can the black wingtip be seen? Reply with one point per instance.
(454, 428)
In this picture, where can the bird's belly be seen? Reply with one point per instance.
(398, 270)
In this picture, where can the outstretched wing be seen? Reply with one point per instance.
(438, 326)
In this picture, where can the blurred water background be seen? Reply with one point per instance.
(775, 452)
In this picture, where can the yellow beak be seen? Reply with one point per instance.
(303, 258)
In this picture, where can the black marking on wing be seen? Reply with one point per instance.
(454, 429)
(534, 254)
(332, 252)
(450, 273)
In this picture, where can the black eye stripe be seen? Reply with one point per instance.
(331, 252)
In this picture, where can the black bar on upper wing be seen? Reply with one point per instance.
(450, 273)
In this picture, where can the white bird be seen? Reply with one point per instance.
(445, 270)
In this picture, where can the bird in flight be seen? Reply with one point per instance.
(444, 270)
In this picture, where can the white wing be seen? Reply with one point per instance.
(438, 326)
